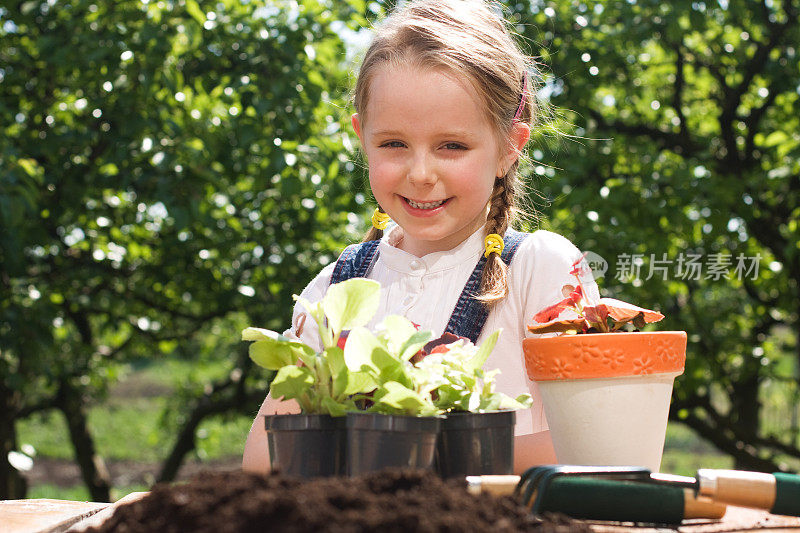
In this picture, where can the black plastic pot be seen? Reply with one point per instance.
(376, 441)
(307, 445)
(473, 444)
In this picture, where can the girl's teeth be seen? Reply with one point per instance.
(425, 205)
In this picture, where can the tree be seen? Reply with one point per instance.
(686, 155)
(164, 167)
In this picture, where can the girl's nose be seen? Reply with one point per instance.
(421, 172)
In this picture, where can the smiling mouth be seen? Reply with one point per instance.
(424, 205)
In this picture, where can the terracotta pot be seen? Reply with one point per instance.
(606, 396)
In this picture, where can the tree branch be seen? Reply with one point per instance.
(152, 303)
(752, 121)
(43, 405)
(93, 469)
(743, 454)
(212, 403)
(666, 139)
(677, 94)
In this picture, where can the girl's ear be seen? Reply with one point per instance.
(519, 135)
(356, 120)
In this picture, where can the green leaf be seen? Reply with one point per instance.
(391, 368)
(359, 383)
(257, 334)
(484, 351)
(496, 402)
(194, 10)
(31, 168)
(351, 303)
(345, 381)
(397, 330)
(473, 400)
(401, 398)
(299, 350)
(449, 397)
(333, 407)
(316, 311)
(402, 338)
(310, 307)
(273, 354)
(358, 349)
(524, 400)
(775, 138)
(303, 352)
(334, 359)
(414, 344)
(291, 382)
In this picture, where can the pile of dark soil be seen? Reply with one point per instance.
(388, 501)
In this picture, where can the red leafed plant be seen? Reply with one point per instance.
(608, 315)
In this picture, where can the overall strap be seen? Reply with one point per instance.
(356, 261)
(469, 314)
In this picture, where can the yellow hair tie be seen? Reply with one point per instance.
(494, 244)
(380, 220)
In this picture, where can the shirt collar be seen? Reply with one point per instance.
(468, 251)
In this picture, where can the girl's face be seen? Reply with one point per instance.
(433, 155)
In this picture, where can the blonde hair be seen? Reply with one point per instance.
(469, 39)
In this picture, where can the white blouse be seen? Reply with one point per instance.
(425, 290)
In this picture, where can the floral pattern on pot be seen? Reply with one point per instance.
(604, 355)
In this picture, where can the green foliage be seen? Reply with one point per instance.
(166, 167)
(347, 305)
(375, 370)
(171, 171)
(455, 372)
(334, 380)
(685, 453)
(607, 315)
(686, 117)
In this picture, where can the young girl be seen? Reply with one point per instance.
(444, 105)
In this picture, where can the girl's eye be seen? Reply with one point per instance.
(455, 146)
(392, 144)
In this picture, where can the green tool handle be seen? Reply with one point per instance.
(787, 494)
(618, 501)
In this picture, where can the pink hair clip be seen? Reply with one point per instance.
(518, 114)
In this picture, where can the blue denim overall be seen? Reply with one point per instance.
(469, 314)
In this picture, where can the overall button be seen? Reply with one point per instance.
(407, 300)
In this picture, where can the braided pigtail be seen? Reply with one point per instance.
(375, 233)
(494, 279)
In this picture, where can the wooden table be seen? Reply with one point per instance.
(40, 516)
(60, 516)
(737, 519)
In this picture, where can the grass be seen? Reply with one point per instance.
(133, 432)
(129, 426)
(685, 452)
(78, 493)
